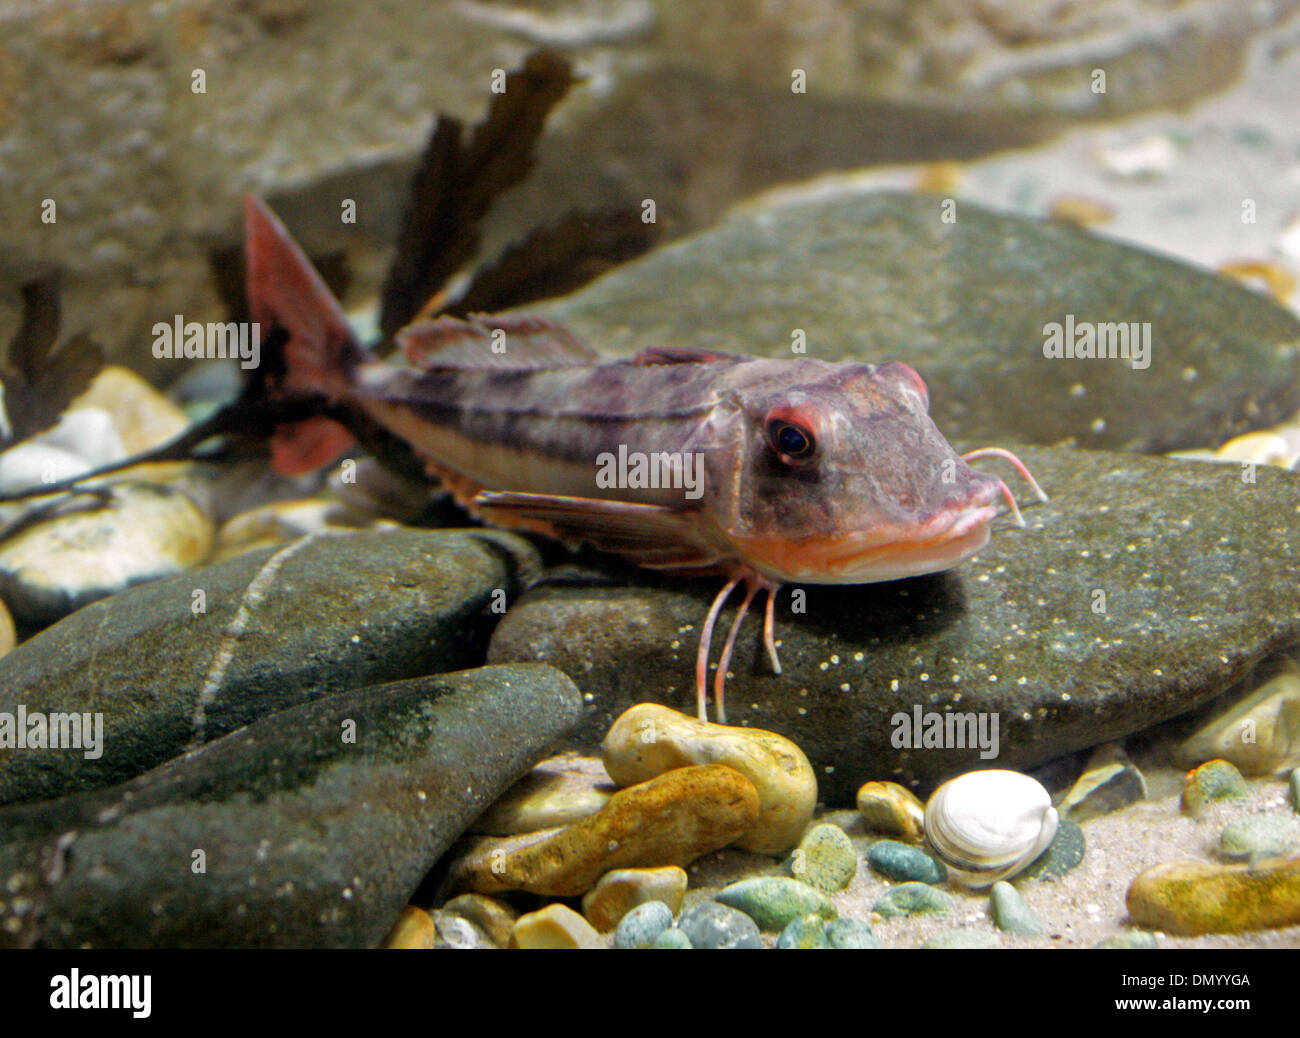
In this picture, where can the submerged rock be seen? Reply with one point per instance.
(557, 792)
(1213, 781)
(1193, 897)
(177, 662)
(967, 302)
(887, 807)
(1047, 631)
(87, 548)
(309, 828)
(650, 739)
(1258, 729)
(669, 820)
(1110, 781)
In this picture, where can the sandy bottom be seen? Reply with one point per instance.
(1079, 909)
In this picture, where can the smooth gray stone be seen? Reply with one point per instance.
(308, 840)
(337, 613)
(881, 276)
(1180, 547)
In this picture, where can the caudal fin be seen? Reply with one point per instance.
(321, 352)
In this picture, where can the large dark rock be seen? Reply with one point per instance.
(876, 277)
(1197, 570)
(279, 628)
(305, 838)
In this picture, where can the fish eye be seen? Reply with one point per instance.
(790, 440)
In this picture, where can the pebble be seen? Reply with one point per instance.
(1259, 732)
(710, 924)
(914, 899)
(280, 522)
(455, 931)
(559, 791)
(669, 820)
(369, 491)
(649, 739)
(620, 891)
(414, 929)
(489, 915)
(1065, 851)
(141, 415)
(672, 938)
(903, 862)
(964, 937)
(890, 808)
(1295, 789)
(1081, 211)
(1258, 836)
(1139, 939)
(1213, 781)
(87, 550)
(773, 902)
(1012, 914)
(808, 931)
(851, 933)
(88, 433)
(641, 927)
(29, 464)
(1263, 447)
(825, 859)
(1193, 897)
(1110, 781)
(555, 926)
(1149, 158)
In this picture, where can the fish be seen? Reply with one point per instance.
(694, 462)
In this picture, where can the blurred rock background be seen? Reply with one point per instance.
(687, 102)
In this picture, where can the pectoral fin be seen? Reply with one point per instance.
(649, 535)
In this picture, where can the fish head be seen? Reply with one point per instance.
(836, 474)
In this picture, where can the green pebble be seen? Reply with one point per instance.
(774, 902)
(1129, 939)
(963, 937)
(808, 931)
(825, 859)
(851, 933)
(1064, 852)
(914, 899)
(1258, 836)
(903, 862)
(1295, 789)
(1214, 780)
(1012, 914)
(672, 938)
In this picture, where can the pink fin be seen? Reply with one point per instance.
(305, 446)
(285, 289)
(681, 355)
(529, 343)
(649, 535)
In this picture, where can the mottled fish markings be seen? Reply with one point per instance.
(814, 472)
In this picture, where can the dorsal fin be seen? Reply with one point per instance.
(528, 342)
(680, 355)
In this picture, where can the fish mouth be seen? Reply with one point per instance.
(872, 556)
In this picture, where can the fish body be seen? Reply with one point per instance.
(688, 461)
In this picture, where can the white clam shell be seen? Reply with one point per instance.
(989, 825)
